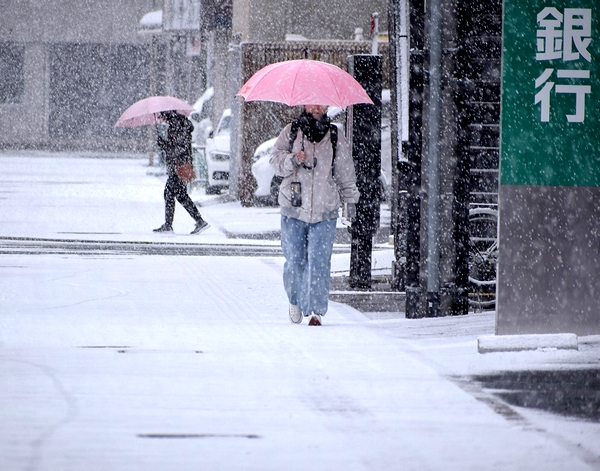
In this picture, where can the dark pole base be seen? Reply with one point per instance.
(413, 302)
(433, 304)
(360, 262)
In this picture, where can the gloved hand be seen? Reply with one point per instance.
(351, 211)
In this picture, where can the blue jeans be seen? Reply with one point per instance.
(307, 250)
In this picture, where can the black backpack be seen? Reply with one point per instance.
(333, 132)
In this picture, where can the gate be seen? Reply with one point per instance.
(255, 122)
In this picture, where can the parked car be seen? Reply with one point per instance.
(267, 182)
(202, 124)
(218, 155)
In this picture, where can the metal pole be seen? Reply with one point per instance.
(374, 33)
(237, 108)
(433, 169)
(399, 78)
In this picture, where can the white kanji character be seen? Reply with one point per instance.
(549, 36)
(580, 92)
(543, 95)
(578, 31)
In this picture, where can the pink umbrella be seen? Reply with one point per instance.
(146, 111)
(304, 82)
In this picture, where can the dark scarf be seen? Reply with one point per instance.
(314, 129)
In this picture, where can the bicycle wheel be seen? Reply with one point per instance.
(483, 257)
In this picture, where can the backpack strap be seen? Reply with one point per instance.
(333, 135)
(293, 133)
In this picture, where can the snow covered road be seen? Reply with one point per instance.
(171, 363)
(124, 361)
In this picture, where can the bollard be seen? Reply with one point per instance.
(365, 126)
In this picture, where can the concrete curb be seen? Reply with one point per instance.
(516, 343)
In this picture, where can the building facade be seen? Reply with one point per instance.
(69, 69)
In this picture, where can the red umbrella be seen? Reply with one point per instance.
(304, 82)
(146, 111)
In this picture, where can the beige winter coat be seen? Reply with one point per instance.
(321, 190)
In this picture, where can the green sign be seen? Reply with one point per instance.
(550, 125)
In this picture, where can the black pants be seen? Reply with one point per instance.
(175, 188)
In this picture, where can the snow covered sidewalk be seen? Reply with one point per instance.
(163, 362)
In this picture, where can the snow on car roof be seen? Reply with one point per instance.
(265, 146)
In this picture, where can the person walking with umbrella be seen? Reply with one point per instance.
(315, 162)
(318, 173)
(177, 148)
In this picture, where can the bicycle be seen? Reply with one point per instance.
(483, 257)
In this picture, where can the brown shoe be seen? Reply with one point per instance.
(315, 319)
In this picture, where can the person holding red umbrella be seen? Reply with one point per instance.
(315, 162)
(177, 148)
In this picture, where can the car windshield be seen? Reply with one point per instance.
(224, 126)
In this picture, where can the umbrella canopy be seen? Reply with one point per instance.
(146, 111)
(304, 82)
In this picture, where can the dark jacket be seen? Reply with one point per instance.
(178, 144)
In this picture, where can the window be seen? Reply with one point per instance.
(12, 78)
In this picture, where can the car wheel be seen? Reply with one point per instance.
(213, 190)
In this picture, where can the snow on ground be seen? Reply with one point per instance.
(165, 362)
